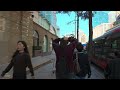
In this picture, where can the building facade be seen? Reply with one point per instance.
(27, 26)
(50, 16)
(101, 29)
(82, 37)
(14, 26)
(117, 21)
(44, 19)
(99, 18)
(106, 22)
(113, 16)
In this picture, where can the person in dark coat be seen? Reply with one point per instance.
(83, 62)
(65, 47)
(20, 60)
(112, 70)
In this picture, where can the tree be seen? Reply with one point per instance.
(85, 15)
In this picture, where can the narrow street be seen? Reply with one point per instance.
(97, 73)
(45, 72)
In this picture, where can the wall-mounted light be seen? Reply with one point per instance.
(31, 14)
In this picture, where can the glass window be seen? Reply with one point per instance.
(98, 48)
(107, 48)
(114, 44)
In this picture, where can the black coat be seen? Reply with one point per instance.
(84, 64)
(112, 70)
(19, 64)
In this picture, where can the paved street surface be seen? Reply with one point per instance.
(37, 62)
(45, 72)
(96, 73)
(43, 68)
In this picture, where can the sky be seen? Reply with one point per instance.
(63, 19)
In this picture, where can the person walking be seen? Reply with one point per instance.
(112, 70)
(64, 49)
(83, 62)
(20, 60)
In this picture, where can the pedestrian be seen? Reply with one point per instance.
(83, 63)
(20, 61)
(64, 48)
(112, 70)
(117, 54)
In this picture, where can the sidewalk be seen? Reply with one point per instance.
(37, 62)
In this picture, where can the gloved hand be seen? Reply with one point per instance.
(89, 74)
(2, 74)
(33, 77)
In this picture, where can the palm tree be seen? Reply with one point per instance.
(85, 15)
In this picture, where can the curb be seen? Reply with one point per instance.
(40, 65)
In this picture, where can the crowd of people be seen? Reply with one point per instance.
(71, 61)
(67, 50)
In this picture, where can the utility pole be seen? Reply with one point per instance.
(77, 26)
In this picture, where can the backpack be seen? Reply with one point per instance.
(61, 65)
(76, 64)
(85, 67)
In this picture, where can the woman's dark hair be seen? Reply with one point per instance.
(25, 49)
(79, 47)
(63, 43)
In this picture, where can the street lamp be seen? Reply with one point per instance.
(77, 26)
(74, 23)
(76, 15)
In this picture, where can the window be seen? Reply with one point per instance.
(98, 48)
(35, 38)
(114, 44)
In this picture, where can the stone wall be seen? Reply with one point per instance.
(42, 32)
(14, 26)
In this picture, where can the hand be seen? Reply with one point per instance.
(2, 74)
(33, 77)
(89, 75)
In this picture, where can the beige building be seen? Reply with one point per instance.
(23, 25)
(101, 29)
(82, 37)
(112, 15)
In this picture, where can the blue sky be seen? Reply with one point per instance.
(63, 19)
